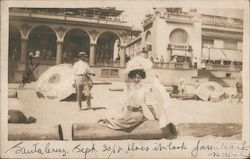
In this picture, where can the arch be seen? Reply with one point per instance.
(111, 32)
(76, 28)
(42, 38)
(14, 42)
(179, 36)
(75, 41)
(108, 46)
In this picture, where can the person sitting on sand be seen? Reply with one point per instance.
(135, 109)
(16, 116)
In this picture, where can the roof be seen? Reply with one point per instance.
(108, 11)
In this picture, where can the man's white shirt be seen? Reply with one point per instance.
(80, 68)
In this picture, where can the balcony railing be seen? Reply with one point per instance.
(172, 65)
(108, 63)
(182, 17)
(222, 21)
(61, 16)
(222, 67)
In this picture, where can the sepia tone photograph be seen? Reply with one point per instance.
(109, 73)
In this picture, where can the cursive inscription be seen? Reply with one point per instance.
(134, 147)
(36, 148)
(199, 149)
(114, 149)
(85, 150)
(21, 149)
(56, 150)
(169, 146)
(222, 150)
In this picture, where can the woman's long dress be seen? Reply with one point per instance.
(132, 114)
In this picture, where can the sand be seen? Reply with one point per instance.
(49, 112)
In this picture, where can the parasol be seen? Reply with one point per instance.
(209, 90)
(56, 82)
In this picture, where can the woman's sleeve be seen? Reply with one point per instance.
(123, 100)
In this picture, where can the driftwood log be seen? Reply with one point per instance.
(147, 130)
(34, 132)
(150, 130)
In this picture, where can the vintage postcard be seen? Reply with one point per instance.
(124, 79)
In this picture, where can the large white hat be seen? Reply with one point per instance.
(138, 63)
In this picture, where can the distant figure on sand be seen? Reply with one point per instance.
(16, 116)
(182, 85)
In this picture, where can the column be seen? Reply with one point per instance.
(59, 52)
(122, 56)
(169, 53)
(92, 54)
(24, 46)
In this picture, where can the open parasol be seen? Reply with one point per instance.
(56, 82)
(209, 90)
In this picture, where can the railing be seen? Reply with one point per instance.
(222, 67)
(66, 17)
(147, 20)
(222, 21)
(158, 65)
(44, 61)
(108, 63)
(183, 17)
(172, 65)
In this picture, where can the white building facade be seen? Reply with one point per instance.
(192, 37)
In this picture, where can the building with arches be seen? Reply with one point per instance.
(177, 41)
(58, 35)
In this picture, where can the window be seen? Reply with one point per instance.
(230, 44)
(207, 43)
(179, 36)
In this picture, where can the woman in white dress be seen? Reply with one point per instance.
(135, 109)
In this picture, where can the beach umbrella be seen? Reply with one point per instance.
(56, 82)
(209, 90)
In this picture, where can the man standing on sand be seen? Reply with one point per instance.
(82, 80)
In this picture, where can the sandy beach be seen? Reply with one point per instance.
(49, 112)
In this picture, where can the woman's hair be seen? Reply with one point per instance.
(139, 72)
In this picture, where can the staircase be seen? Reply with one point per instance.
(212, 77)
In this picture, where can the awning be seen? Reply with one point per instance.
(213, 54)
(180, 53)
(233, 55)
(222, 35)
(222, 54)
